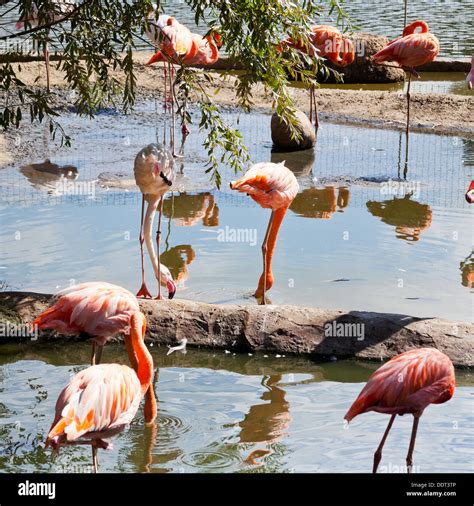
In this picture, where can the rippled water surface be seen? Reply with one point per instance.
(217, 409)
(361, 234)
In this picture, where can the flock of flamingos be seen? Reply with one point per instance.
(102, 400)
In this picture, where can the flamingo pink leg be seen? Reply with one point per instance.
(378, 453)
(408, 126)
(264, 254)
(416, 419)
(143, 292)
(158, 236)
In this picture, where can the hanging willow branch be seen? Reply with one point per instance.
(97, 41)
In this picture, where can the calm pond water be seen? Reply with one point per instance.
(450, 20)
(352, 240)
(216, 409)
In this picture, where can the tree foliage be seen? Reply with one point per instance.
(101, 36)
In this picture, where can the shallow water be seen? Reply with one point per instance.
(216, 409)
(352, 238)
(429, 82)
(449, 20)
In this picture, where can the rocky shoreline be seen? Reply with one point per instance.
(313, 332)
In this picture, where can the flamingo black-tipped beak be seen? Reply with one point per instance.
(171, 289)
(230, 184)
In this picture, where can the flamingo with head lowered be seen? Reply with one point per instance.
(100, 401)
(410, 50)
(154, 174)
(406, 384)
(273, 186)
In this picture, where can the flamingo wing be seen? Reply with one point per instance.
(410, 51)
(96, 308)
(98, 399)
(407, 384)
(272, 185)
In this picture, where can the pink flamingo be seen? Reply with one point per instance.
(470, 193)
(205, 51)
(61, 8)
(327, 42)
(99, 309)
(273, 186)
(411, 50)
(176, 43)
(407, 383)
(100, 401)
(154, 174)
(470, 76)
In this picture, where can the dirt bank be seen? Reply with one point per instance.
(314, 332)
(430, 112)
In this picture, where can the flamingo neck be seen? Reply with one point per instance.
(410, 29)
(278, 216)
(142, 361)
(348, 54)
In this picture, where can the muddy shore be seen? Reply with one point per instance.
(313, 332)
(430, 112)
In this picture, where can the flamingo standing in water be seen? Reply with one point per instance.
(100, 401)
(470, 193)
(326, 41)
(273, 186)
(470, 76)
(101, 310)
(407, 383)
(410, 50)
(62, 8)
(154, 174)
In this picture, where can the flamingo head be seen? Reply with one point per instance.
(411, 28)
(217, 38)
(168, 281)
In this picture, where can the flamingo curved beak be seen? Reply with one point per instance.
(171, 289)
(155, 58)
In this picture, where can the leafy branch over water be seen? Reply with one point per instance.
(98, 39)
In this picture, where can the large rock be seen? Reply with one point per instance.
(363, 70)
(281, 135)
(315, 332)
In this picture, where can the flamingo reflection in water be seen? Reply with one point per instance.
(409, 217)
(321, 203)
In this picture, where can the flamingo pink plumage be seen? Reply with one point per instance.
(102, 400)
(99, 309)
(407, 383)
(470, 76)
(327, 42)
(273, 186)
(411, 50)
(470, 193)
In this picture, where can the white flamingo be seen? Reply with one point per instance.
(154, 174)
